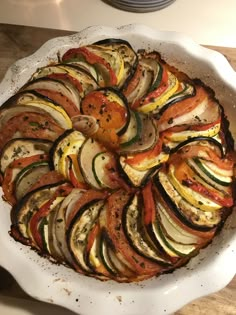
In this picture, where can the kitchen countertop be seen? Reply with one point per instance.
(20, 41)
(207, 22)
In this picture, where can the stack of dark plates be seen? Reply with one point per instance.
(141, 5)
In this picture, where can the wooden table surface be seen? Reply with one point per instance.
(20, 41)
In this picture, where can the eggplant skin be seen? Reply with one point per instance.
(129, 237)
(118, 41)
(15, 231)
(109, 41)
(200, 138)
(55, 144)
(175, 209)
(116, 91)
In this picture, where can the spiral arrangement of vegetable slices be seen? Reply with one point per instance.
(115, 163)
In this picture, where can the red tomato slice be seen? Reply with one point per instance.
(92, 236)
(75, 178)
(185, 175)
(116, 204)
(182, 107)
(50, 178)
(161, 88)
(192, 127)
(30, 125)
(149, 204)
(193, 151)
(133, 83)
(212, 195)
(71, 109)
(65, 76)
(139, 157)
(91, 58)
(116, 181)
(100, 269)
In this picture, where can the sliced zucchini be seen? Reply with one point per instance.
(125, 272)
(94, 260)
(187, 134)
(44, 230)
(148, 104)
(113, 261)
(79, 230)
(181, 250)
(188, 214)
(147, 139)
(104, 166)
(68, 143)
(172, 230)
(89, 150)
(127, 53)
(28, 176)
(205, 178)
(156, 67)
(104, 253)
(216, 169)
(156, 231)
(139, 84)
(219, 179)
(133, 132)
(184, 91)
(60, 222)
(95, 254)
(134, 232)
(100, 258)
(193, 197)
(31, 203)
(113, 58)
(22, 147)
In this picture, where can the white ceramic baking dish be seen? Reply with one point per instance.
(208, 272)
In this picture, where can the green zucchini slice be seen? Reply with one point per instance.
(79, 230)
